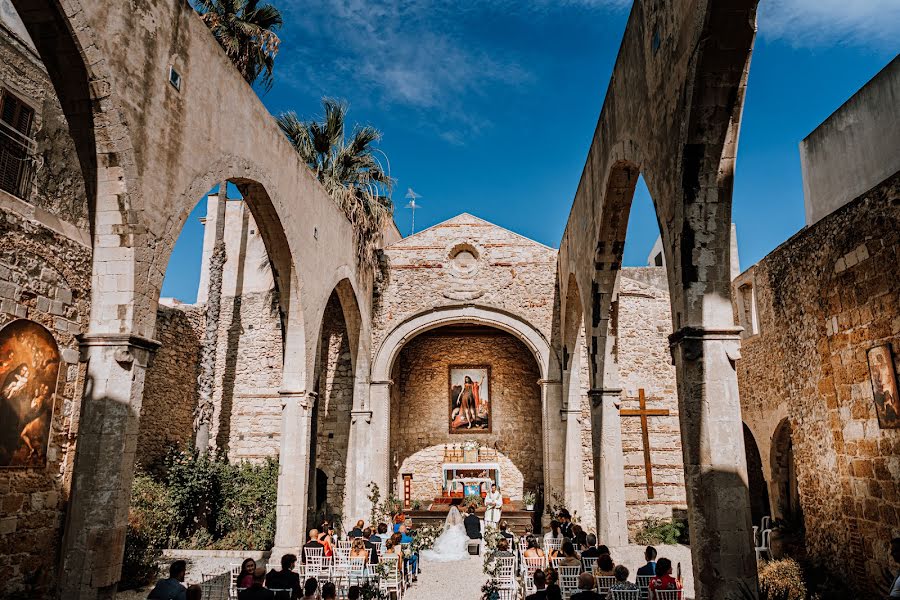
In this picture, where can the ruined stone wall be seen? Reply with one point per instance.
(507, 271)
(823, 299)
(45, 271)
(420, 410)
(335, 401)
(170, 387)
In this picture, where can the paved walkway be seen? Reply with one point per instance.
(461, 580)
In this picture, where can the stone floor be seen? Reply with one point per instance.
(460, 580)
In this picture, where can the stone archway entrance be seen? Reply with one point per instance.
(759, 490)
(785, 491)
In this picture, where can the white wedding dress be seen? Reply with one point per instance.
(453, 543)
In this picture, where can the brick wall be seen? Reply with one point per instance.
(420, 409)
(823, 298)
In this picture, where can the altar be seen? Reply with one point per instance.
(469, 478)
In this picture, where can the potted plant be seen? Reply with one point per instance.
(529, 498)
(470, 451)
(473, 501)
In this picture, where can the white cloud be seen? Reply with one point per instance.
(811, 23)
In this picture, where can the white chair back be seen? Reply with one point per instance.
(765, 523)
(643, 583)
(554, 562)
(589, 563)
(533, 563)
(667, 595)
(625, 594)
(551, 545)
(313, 553)
(604, 582)
(568, 579)
(506, 569)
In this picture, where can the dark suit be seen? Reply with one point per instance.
(355, 533)
(648, 569)
(566, 529)
(257, 592)
(312, 544)
(373, 552)
(538, 595)
(473, 527)
(587, 595)
(591, 552)
(284, 580)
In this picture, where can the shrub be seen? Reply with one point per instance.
(150, 522)
(659, 531)
(782, 580)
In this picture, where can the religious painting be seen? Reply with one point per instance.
(884, 386)
(29, 372)
(470, 400)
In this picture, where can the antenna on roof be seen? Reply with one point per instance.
(413, 205)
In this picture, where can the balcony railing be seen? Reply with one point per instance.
(17, 158)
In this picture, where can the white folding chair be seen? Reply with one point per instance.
(316, 567)
(625, 594)
(568, 579)
(554, 562)
(508, 593)
(533, 563)
(234, 572)
(391, 582)
(763, 548)
(589, 563)
(603, 583)
(551, 545)
(667, 595)
(765, 523)
(506, 569)
(643, 583)
(313, 553)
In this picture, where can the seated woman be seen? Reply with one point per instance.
(531, 547)
(326, 538)
(622, 583)
(663, 579)
(392, 548)
(245, 578)
(604, 567)
(569, 557)
(358, 550)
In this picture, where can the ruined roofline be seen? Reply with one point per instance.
(468, 214)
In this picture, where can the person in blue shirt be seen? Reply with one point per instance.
(405, 538)
(650, 568)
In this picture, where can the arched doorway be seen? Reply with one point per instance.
(759, 490)
(785, 491)
(428, 416)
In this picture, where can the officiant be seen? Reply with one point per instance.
(493, 502)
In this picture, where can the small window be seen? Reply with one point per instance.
(658, 259)
(16, 145)
(747, 310)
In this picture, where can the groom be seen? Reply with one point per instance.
(493, 501)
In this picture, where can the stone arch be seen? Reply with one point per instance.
(785, 493)
(756, 482)
(470, 313)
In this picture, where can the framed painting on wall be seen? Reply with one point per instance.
(470, 398)
(29, 373)
(884, 386)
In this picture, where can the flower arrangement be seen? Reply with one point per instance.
(529, 498)
(424, 537)
(370, 591)
(490, 590)
(472, 500)
(471, 445)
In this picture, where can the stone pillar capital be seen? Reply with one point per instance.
(691, 338)
(356, 415)
(127, 347)
(565, 412)
(610, 394)
(305, 399)
(545, 383)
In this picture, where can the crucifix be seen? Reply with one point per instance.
(643, 412)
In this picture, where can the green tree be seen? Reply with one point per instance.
(246, 31)
(348, 169)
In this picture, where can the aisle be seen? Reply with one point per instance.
(460, 580)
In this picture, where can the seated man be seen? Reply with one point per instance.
(472, 524)
(591, 551)
(370, 546)
(173, 587)
(286, 578)
(540, 584)
(310, 589)
(356, 531)
(405, 538)
(313, 542)
(650, 567)
(586, 585)
(257, 591)
(504, 530)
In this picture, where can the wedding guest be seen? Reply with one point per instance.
(622, 583)
(472, 524)
(413, 561)
(310, 589)
(586, 584)
(540, 584)
(650, 567)
(504, 530)
(358, 550)
(569, 556)
(663, 579)
(532, 548)
(329, 591)
(371, 546)
(173, 587)
(554, 592)
(554, 533)
(194, 592)
(895, 554)
(256, 591)
(391, 549)
(603, 549)
(565, 522)
(357, 531)
(286, 578)
(245, 579)
(591, 551)
(604, 567)
(353, 593)
(326, 537)
(313, 542)
(503, 549)
(383, 531)
(579, 537)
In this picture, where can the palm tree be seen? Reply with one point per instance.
(246, 31)
(348, 169)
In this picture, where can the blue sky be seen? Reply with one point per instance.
(489, 107)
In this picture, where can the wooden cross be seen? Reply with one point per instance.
(643, 412)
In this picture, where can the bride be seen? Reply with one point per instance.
(452, 544)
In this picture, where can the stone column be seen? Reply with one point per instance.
(94, 538)
(358, 468)
(715, 472)
(554, 439)
(609, 467)
(574, 460)
(379, 450)
(293, 470)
